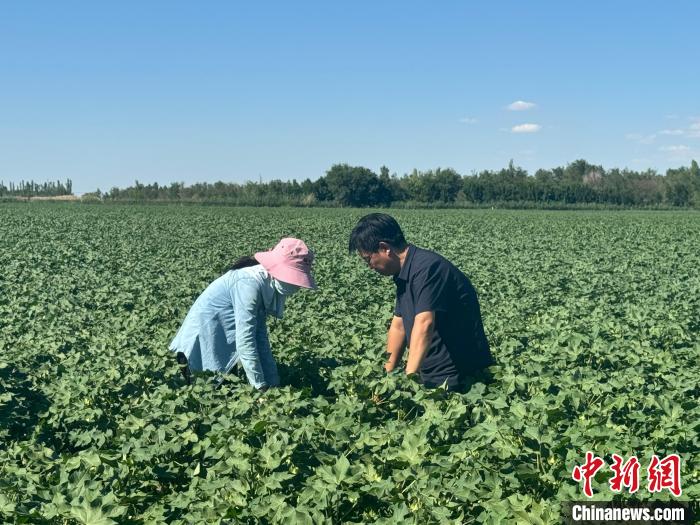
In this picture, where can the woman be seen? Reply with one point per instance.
(226, 324)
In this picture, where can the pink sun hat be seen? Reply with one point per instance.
(290, 262)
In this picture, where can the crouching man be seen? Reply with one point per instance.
(437, 313)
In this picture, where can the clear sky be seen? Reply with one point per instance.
(106, 93)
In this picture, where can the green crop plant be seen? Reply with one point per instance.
(593, 317)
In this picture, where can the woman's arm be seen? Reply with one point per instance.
(269, 366)
(246, 305)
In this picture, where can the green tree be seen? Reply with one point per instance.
(683, 185)
(356, 186)
(446, 184)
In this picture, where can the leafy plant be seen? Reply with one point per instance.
(594, 319)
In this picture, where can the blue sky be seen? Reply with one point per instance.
(107, 93)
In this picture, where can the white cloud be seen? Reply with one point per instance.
(468, 120)
(680, 148)
(526, 128)
(642, 139)
(694, 130)
(521, 105)
(671, 132)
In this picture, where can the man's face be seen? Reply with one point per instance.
(383, 261)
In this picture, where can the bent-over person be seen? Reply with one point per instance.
(436, 314)
(227, 326)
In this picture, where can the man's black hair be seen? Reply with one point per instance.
(373, 229)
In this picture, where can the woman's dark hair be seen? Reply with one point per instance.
(373, 229)
(243, 262)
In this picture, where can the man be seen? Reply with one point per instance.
(437, 312)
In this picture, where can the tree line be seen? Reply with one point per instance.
(36, 189)
(578, 183)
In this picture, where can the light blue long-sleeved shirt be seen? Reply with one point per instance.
(226, 325)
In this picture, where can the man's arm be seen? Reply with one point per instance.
(395, 343)
(421, 335)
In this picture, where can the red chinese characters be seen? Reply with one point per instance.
(662, 474)
(626, 475)
(665, 474)
(587, 471)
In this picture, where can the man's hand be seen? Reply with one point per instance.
(421, 335)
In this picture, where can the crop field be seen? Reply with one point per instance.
(593, 318)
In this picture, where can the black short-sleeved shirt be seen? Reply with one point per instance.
(429, 282)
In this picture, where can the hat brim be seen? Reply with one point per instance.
(286, 274)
